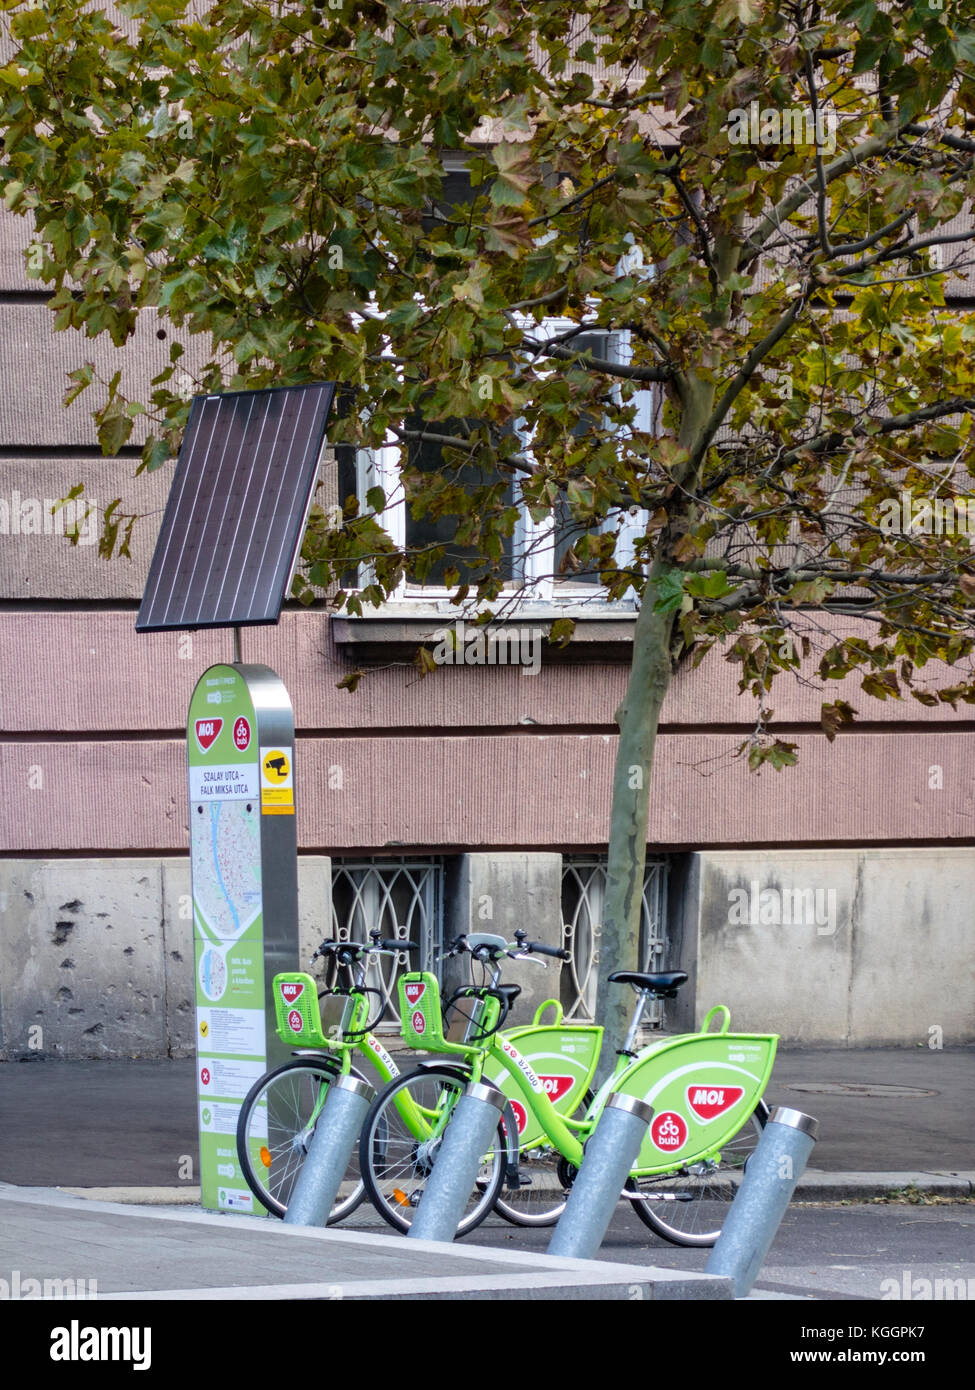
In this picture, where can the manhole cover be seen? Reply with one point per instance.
(853, 1088)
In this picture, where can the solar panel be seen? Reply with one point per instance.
(237, 508)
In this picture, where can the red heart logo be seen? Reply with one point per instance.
(414, 990)
(291, 991)
(708, 1102)
(207, 731)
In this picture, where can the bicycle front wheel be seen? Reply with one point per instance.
(275, 1127)
(689, 1206)
(400, 1140)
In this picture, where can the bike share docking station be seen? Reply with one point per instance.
(225, 557)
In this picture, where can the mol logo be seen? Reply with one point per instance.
(555, 1087)
(291, 990)
(708, 1102)
(207, 732)
(414, 991)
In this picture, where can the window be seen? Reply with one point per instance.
(583, 894)
(401, 899)
(540, 557)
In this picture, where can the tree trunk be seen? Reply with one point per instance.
(638, 717)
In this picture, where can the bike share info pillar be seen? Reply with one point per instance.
(225, 557)
(244, 861)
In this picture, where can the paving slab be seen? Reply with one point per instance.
(148, 1253)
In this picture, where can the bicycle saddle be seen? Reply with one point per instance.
(666, 983)
(510, 993)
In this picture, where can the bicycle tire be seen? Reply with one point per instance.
(395, 1162)
(292, 1094)
(697, 1222)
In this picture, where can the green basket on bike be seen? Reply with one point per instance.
(475, 1016)
(305, 1018)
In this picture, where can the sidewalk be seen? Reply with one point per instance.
(135, 1252)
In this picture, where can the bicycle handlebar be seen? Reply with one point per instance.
(355, 950)
(557, 952)
(495, 947)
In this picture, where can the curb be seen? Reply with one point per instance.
(816, 1185)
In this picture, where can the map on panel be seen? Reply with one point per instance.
(226, 865)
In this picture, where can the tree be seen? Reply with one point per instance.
(759, 199)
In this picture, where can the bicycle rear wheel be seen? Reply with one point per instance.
(689, 1207)
(400, 1140)
(275, 1127)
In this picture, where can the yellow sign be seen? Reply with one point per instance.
(277, 783)
(204, 1028)
(277, 767)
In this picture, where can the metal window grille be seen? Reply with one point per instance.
(583, 894)
(402, 900)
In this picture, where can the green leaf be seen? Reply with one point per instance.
(561, 631)
(277, 217)
(114, 428)
(155, 452)
(881, 684)
(670, 591)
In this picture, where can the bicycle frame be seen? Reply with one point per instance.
(703, 1087)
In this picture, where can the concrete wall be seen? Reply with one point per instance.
(504, 893)
(829, 948)
(96, 955)
(879, 951)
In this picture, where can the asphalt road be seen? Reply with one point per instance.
(860, 1251)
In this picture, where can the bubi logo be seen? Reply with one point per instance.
(669, 1131)
(414, 991)
(242, 734)
(207, 732)
(294, 1021)
(521, 1115)
(708, 1102)
(418, 1022)
(291, 990)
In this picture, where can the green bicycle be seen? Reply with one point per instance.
(705, 1089)
(326, 1026)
